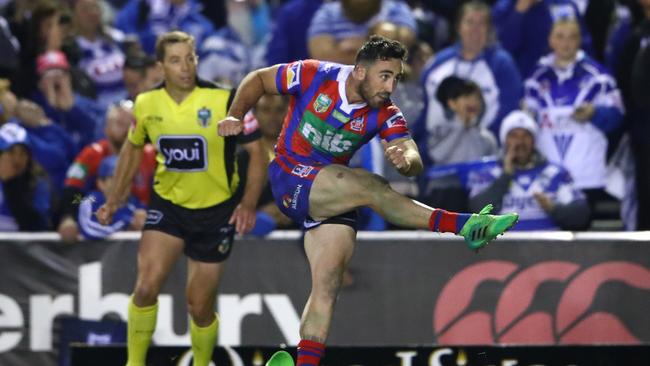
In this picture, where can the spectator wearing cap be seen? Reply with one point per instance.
(81, 177)
(78, 115)
(459, 139)
(25, 194)
(130, 216)
(523, 181)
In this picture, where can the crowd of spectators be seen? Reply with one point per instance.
(537, 106)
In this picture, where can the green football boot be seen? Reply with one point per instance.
(280, 358)
(481, 228)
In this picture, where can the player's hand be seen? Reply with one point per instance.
(243, 218)
(395, 154)
(230, 126)
(105, 213)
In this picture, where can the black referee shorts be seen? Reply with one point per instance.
(208, 236)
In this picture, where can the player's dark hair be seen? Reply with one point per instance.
(380, 48)
(170, 38)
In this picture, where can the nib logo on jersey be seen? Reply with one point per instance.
(184, 153)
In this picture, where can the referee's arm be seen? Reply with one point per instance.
(127, 165)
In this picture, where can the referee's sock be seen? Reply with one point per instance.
(203, 340)
(310, 353)
(140, 327)
(442, 221)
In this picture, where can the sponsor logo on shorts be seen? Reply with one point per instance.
(286, 201)
(203, 115)
(296, 194)
(322, 103)
(226, 242)
(184, 153)
(302, 170)
(154, 217)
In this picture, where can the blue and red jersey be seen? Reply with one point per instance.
(322, 127)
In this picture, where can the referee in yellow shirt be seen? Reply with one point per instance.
(193, 209)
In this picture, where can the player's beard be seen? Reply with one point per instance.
(374, 100)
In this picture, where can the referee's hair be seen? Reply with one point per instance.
(381, 48)
(170, 38)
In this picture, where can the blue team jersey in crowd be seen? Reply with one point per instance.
(550, 179)
(322, 127)
(493, 70)
(91, 228)
(553, 94)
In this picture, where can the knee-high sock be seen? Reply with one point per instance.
(203, 341)
(310, 353)
(443, 221)
(141, 324)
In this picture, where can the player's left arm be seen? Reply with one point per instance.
(244, 215)
(404, 155)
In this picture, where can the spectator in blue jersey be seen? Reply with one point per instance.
(24, 193)
(129, 217)
(50, 144)
(523, 180)
(289, 31)
(523, 27)
(223, 58)
(577, 104)
(459, 139)
(476, 57)
(98, 47)
(147, 19)
(339, 28)
(78, 115)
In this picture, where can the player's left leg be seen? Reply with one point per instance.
(202, 283)
(338, 189)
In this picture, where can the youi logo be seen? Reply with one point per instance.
(184, 153)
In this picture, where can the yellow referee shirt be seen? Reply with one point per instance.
(196, 166)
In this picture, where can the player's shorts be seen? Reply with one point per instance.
(291, 183)
(208, 236)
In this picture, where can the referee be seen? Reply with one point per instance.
(193, 209)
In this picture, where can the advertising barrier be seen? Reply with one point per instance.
(409, 289)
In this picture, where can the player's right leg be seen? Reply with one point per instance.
(156, 256)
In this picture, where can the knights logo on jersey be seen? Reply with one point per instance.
(203, 116)
(322, 103)
(357, 124)
(293, 75)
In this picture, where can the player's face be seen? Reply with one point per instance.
(179, 66)
(380, 80)
(565, 40)
(522, 144)
(270, 112)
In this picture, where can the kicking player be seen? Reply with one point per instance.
(193, 209)
(334, 109)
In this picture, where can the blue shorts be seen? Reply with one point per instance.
(291, 183)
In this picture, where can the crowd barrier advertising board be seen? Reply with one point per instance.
(388, 356)
(423, 290)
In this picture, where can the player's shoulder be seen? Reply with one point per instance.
(150, 96)
(96, 149)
